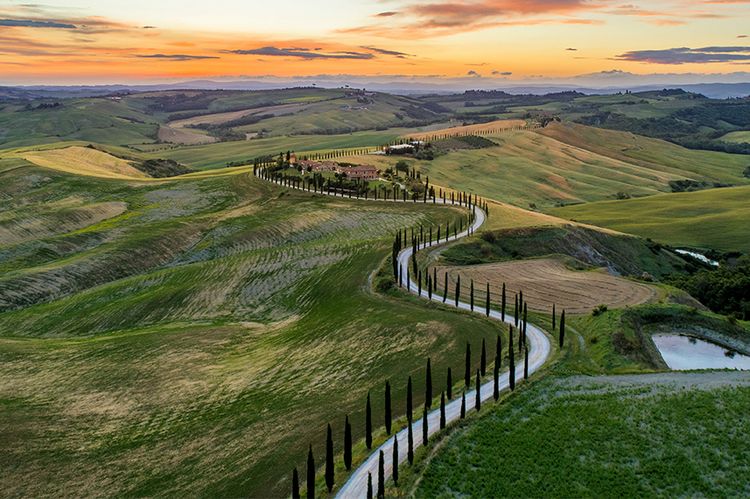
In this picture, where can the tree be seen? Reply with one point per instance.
(295, 484)
(442, 410)
(347, 444)
(487, 304)
(428, 385)
(458, 289)
(368, 423)
(463, 404)
(310, 474)
(511, 361)
(329, 458)
(553, 317)
(467, 370)
(496, 379)
(502, 306)
(478, 402)
(483, 359)
(525, 363)
(562, 328)
(408, 400)
(369, 485)
(515, 311)
(381, 475)
(449, 384)
(525, 315)
(388, 416)
(424, 426)
(394, 465)
(471, 295)
(498, 351)
(445, 292)
(410, 443)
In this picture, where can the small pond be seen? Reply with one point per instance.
(682, 353)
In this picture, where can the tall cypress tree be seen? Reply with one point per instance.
(295, 484)
(487, 304)
(445, 292)
(515, 311)
(458, 289)
(496, 380)
(483, 359)
(511, 361)
(562, 328)
(525, 321)
(369, 485)
(368, 423)
(381, 475)
(424, 426)
(471, 295)
(310, 474)
(408, 400)
(499, 351)
(467, 370)
(442, 410)
(502, 312)
(394, 465)
(347, 444)
(388, 415)
(449, 384)
(428, 385)
(463, 404)
(525, 363)
(410, 443)
(478, 402)
(554, 318)
(329, 459)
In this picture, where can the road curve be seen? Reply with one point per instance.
(540, 348)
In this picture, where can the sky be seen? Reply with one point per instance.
(151, 41)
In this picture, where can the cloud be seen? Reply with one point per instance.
(685, 55)
(741, 36)
(473, 74)
(176, 57)
(400, 55)
(389, 13)
(502, 73)
(571, 49)
(35, 23)
(302, 53)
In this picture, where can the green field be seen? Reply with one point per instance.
(712, 219)
(739, 137)
(192, 337)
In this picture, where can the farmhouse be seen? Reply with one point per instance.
(318, 166)
(361, 172)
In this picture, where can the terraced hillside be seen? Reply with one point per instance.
(193, 336)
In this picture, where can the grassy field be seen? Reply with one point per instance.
(739, 137)
(633, 436)
(711, 219)
(193, 337)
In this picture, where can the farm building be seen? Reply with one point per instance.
(362, 172)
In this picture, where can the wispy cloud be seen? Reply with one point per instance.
(35, 23)
(302, 53)
(176, 57)
(685, 55)
(394, 53)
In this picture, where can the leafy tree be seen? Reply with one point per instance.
(310, 474)
(388, 415)
(368, 423)
(329, 459)
(347, 444)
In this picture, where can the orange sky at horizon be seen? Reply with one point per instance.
(141, 42)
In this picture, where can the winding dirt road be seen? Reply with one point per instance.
(540, 348)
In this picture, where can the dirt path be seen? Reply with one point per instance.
(539, 352)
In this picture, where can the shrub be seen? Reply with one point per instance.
(599, 310)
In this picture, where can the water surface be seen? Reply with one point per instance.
(682, 353)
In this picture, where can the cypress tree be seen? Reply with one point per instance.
(487, 305)
(515, 311)
(388, 416)
(347, 444)
(442, 410)
(408, 400)
(525, 363)
(428, 385)
(522, 331)
(553, 316)
(496, 379)
(503, 303)
(449, 384)
(498, 351)
(467, 370)
(310, 474)
(329, 459)
(525, 316)
(511, 361)
(424, 426)
(394, 465)
(410, 443)
(445, 292)
(458, 289)
(463, 404)
(419, 283)
(381, 475)
(471, 295)
(295, 484)
(368, 423)
(483, 359)
(562, 328)
(369, 485)
(478, 402)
